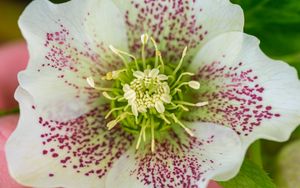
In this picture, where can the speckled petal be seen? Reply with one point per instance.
(175, 24)
(66, 46)
(183, 162)
(76, 153)
(254, 95)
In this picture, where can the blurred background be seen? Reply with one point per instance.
(275, 22)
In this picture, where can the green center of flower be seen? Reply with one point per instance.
(148, 90)
(147, 96)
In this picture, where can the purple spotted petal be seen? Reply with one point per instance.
(179, 162)
(65, 48)
(175, 24)
(75, 153)
(254, 95)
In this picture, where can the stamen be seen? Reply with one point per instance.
(114, 109)
(152, 137)
(139, 140)
(144, 132)
(180, 62)
(114, 50)
(194, 84)
(121, 53)
(180, 76)
(144, 39)
(113, 75)
(161, 62)
(199, 104)
(106, 95)
(114, 122)
(107, 89)
(182, 125)
(165, 119)
(178, 106)
(158, 56)
(91, 83)
(191, 84)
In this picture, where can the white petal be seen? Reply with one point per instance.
(64, 52)
(214, 151)
(75, 153)
(177, 24)
(254, 95)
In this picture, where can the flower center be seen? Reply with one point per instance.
(147, 96)
(148, 90)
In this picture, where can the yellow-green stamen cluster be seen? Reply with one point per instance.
(148, 95)
(148, 90)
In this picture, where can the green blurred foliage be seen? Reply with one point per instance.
(250, 176)
(288, 166)
(10, 12)
(277, 24)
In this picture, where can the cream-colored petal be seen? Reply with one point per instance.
(188, 163)
(75, 153)
(64, 52)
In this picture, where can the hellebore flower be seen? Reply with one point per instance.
(144, 94)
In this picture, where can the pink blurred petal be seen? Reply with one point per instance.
(213, 184)
(7, 126)
(13, 58)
